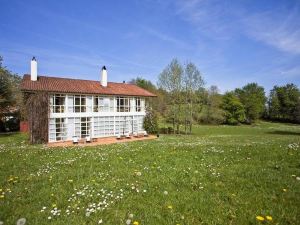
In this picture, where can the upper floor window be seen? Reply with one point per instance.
(103, 104)
(57, 102)
(138, 107)
(123, 104)
(79, 103)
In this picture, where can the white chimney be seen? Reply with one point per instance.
(104, 77)
(33, 69)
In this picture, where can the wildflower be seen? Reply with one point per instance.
(170, 207)
(100, 221)
(21, 221)
(166, 193)
(138, 173)
(1, 223)
(135, 223)
(298, 178)
(128, 222)
(1, 196)
(53, 205)
(130, 215)
(284, 189)
(269, 218)
(260, 218)
(71, 181)
(49, 218)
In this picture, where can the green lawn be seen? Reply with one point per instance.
(218, 175)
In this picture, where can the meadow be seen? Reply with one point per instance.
(217, 175)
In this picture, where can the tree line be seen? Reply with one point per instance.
(183, 100)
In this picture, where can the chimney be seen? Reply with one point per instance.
(33, 69)
(104, 77)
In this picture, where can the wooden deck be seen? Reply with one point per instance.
(100, 141)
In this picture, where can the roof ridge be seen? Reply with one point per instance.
(67, 78)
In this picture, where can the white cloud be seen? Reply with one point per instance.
(275, 29)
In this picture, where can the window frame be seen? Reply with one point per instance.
(80, 108)
(58, 108)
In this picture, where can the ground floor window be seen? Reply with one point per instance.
(103, 126)
(82, 127)
(57, 129)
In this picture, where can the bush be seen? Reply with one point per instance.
(151, 122)
(166, 130)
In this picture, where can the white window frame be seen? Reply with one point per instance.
(58, 108)
(82, 107)
(125, 107)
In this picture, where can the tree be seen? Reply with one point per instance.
(234, 109)
(284, 103)
(192, 82)
(212, 112)
(143, 83)
(170, 80)
(10, 94)
(253, 98)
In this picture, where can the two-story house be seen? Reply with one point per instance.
(88, 108)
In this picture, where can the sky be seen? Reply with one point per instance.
(231, 42)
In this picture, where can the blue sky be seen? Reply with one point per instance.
(231, 42)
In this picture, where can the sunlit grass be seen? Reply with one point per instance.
(218, 175)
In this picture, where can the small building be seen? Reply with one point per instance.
(60, 109)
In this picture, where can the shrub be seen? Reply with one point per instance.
(151, 121)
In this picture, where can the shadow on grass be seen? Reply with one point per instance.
(284, 132)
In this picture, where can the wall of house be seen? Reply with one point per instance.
(95, 116)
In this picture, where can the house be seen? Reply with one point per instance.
(82, 108)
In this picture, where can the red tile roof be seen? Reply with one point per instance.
(66, 85)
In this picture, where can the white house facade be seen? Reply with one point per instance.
(94, 115)
(86, 108)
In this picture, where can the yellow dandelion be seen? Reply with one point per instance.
(269, 218)
(260, 218)
(135, 223)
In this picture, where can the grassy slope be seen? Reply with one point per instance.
(219, 175)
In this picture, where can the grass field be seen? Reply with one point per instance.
(218, 175)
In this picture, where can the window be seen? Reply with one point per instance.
(82, 127)
(103, 104)
(79, 103)
(57, 102)
(58, 129)
(103, 126)
(123, 104)
(138, 104)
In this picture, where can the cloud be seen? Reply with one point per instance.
(211, 18)
(275, 29)
(278, 27)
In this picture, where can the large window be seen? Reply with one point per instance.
(57, 103)
(58, 129)
(103, 126)
(82, 127)
(79, 103)
(123, 104)
(138, 107)
(103, 104)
